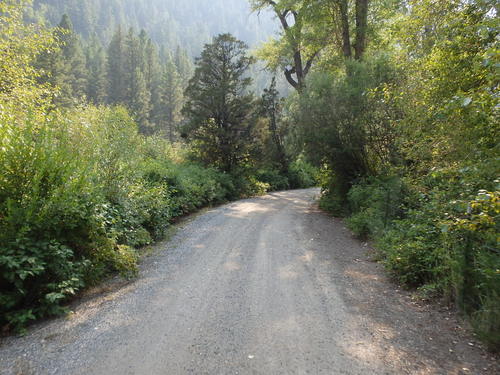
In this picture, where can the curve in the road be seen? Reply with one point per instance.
(268, 285)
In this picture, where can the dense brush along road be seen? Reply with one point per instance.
(268, 285)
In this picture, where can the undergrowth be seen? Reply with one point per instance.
(438, 234)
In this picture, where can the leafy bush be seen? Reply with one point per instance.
(302, 174)
(79, 193)
(339, 125)
(473, 244)
(272, 177)
(374, 202)
(413, 252)
(46, 202)
(332, 194)
(447, 241)
(248, 185)
(435, 233)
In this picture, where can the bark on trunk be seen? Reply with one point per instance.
(346, 32)
(361, 26)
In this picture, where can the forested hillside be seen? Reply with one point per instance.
(170, 23)
(138, 53)
(104, 140)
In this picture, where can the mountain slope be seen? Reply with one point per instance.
(189, 23)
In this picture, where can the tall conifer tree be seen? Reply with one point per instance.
(219, 108)
(183, 63)
(137, 96)
(65, 68)
(153, 78)
(96, 66)
(71, 48)
(171, 99)
(116, 68)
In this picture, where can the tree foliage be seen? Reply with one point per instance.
(20, 46)
(406, 131)
(219, 108)
(310, 28)
(293, 52)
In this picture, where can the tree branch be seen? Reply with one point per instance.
(310, 62)
(282, 17)
(289, 78)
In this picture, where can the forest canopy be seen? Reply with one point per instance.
(170, 23)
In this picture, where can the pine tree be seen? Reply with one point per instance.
(74, 60)
(219, 109)
(51, 69)
(137, 95)
(140, 102)
(96, 66)
(116, 69)
(153, 77)
(171, 99)
(65, 67)
(143, 40)
(183, 64)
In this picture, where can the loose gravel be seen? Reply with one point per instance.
(268, 285)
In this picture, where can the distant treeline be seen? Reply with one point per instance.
(130, 71)
(170, 23)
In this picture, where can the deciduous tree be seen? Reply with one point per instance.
(291, 52)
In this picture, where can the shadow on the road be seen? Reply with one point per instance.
(378, 326)
(417, 336)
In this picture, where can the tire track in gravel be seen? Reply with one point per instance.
(267, 285)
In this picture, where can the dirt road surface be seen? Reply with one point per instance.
(268, 285)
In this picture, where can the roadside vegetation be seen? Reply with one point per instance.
(401, 113)
(84, 187)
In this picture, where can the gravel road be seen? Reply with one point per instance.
(268, 285)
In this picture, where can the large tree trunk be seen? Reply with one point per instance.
(361, 26)
(346, 33)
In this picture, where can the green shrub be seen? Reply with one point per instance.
(36, 277)
(273, 177)
(363, 223)
(46, 199)
(332, 195)
(447, 242)
(472, 242)
(248, 185)
(374, 202)
(435, 233)
(79, 193)
(413, 253)
(302, 174)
